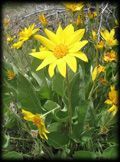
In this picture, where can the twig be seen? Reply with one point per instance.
(101, 18)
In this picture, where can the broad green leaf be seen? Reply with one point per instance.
(111, 152)
(27, 96)
(57, 139)
(58, 84)
(49, 105)
(84, 155)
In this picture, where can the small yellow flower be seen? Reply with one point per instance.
(96, 71)
(11, 75)
(24, 35)
(112, 100)
(103, 81)
(92, 14)
(100, 45)
(6, 22)
(10, 39)
(103, 130)
(110, 56)
(74, 6)
(61, 49)
(94, 35)
(109, 37)
(38, 121)
(79, 20)
(43, 20)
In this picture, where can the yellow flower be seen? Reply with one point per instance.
(10, 39)
(110, 56)
(96, 71)
(10, 75)
(74, 6)
(112, 100)
(100, 45)
(24, 35)
(109, 37)
(92, 14)
(79, 20)
(38, 121)
(103, 81)
(61, 49)
(43, 20)
(94, 35)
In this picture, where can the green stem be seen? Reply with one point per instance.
(69, 107)
(50, 111)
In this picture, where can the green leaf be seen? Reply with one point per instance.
(54, 127)
(6, 140)
(84, 155)
(26, 95)
(61, 116)
(57, 139)
(49, 105)
(44, 88)
(58, 84)
(12, 155)
(111, 152)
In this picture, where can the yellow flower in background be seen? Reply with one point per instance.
(92, 14)
(6, 22)
(96, 71)
(74, 6)
(109, 37)
(11, 75)
(43, 20)
(94, 35)
(110, 56)
(10, 39)
(79, 20)
(38, 121)
(112, 100)
(100, 45)
(62, 48)
(24, 35)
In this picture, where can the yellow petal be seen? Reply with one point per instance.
(51, 69)
(67, 33)
(46, 42)
(77, 46)
(27, 115)
(77, 36)
(41, 55)
(61, 64)
(51, 36)
(72, 63)
(105, 34)
(112, 33)
(80, 55)
(113, 109)
(109, 102)
(47, 60)
(94, 73)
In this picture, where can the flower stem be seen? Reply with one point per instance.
(69, 106)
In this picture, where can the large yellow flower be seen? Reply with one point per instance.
(112, 100)
(24, 35)
(109, 37)
(62, 48)
(74, 6)
(38, 121)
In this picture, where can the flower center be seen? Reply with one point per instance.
(37, 120)
(60, 50)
